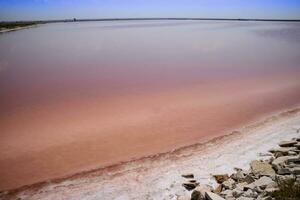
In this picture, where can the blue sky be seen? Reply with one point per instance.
(64, 9)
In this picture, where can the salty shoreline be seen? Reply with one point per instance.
(162, 172)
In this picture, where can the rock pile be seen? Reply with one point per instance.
(258, 182)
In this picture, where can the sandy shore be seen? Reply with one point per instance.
(159, 177)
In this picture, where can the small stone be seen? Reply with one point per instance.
(187, 175)
(237, 192)
(196, 195)
(297, 145)
(212, 196)
(227, 194)
(189, 186)
(244, 198)
(283, 171)
(296, 170)
(250, 186)
(263, 182)
(250, 193)
(292, 153)
(293, 159)
(238, 176)
(280, 162)
(264, 198)
(220, 178)
(241, 186)
(271, 190)
(249, 179)
(287, 143)
(218, 189)
(229, 184)
(280, 154)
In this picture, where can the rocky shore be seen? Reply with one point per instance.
(276, 177)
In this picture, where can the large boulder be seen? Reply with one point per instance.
(287, 143)
(212, 196)
(262, 168)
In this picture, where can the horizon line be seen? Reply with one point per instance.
(151, 18)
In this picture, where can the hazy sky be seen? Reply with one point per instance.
(62, 9)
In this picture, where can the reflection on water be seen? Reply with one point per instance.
(97, 56)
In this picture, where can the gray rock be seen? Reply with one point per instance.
(212, 196)
(284, 171)
(227, 194)
(292, 153)
(284, 177)
(244, 198)
(229, 184)
(261, 197)
(280, 162)
(196, 195)
(297, 145)
(296, 170)
(263, 182)
(269, 190)
(237, 192)
(249, 179)
(241, 186)
(250, 186)
(262, 168)
(239, 176)
(250, 193)
(293, 159)
(287, 143)
(283, 150)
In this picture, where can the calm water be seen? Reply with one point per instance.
(76, 96)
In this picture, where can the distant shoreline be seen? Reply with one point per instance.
(14, 26)
(151, 18)
(8, 26)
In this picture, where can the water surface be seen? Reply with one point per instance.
(77, 96)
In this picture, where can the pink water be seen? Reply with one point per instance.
(77, 96)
